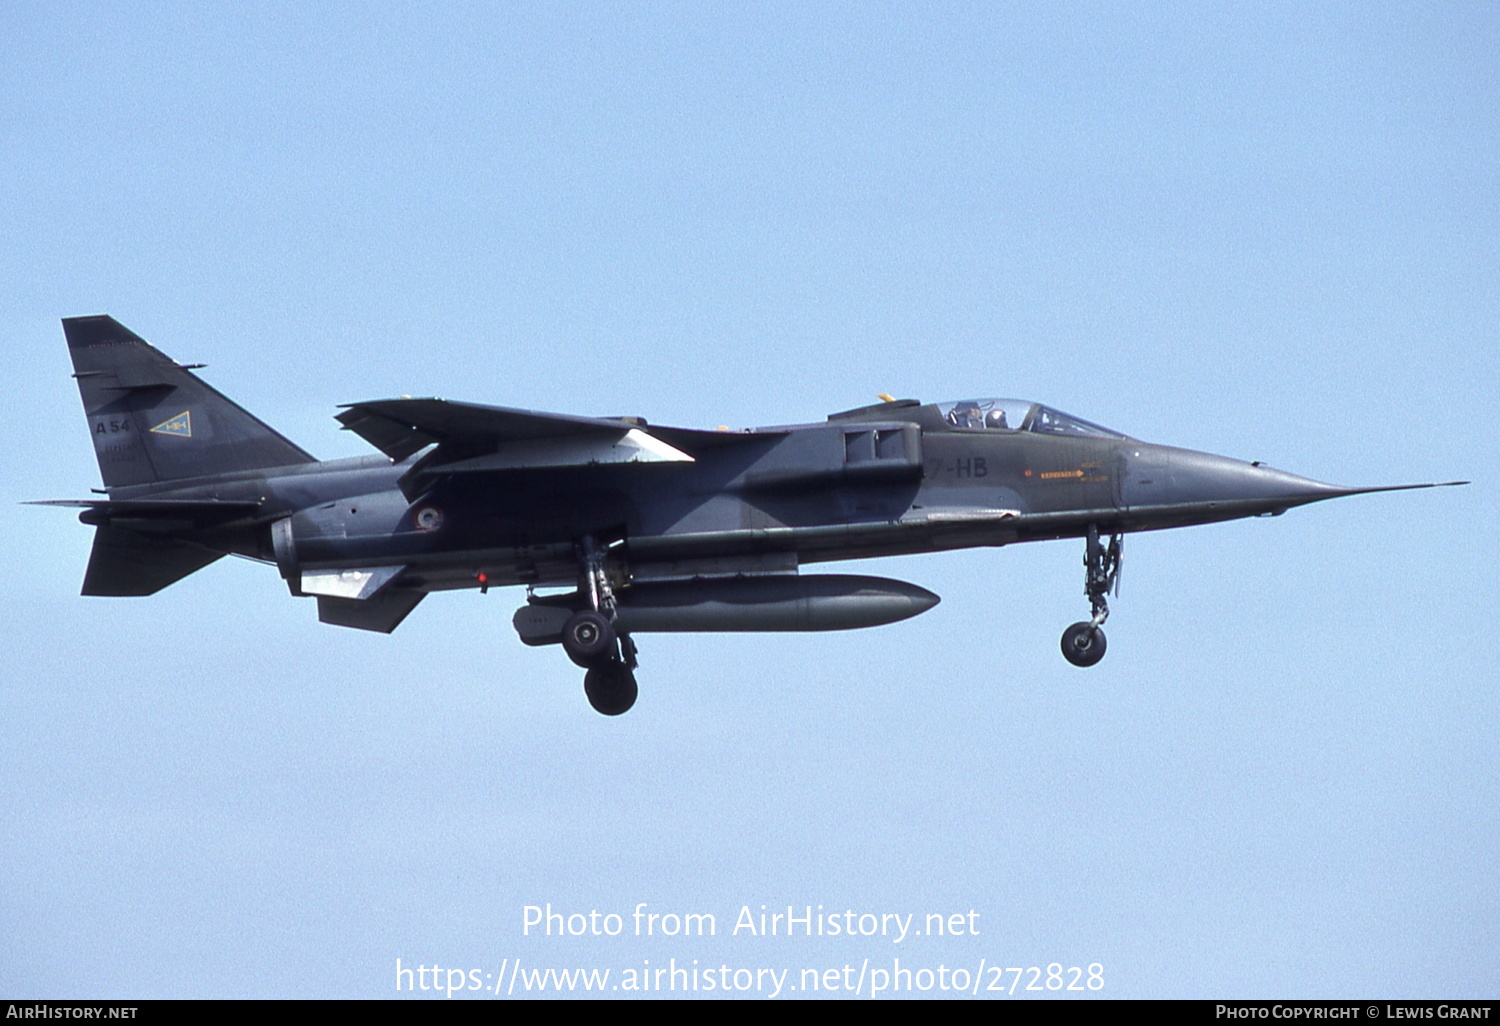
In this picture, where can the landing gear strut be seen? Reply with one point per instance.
(590, 639)
(1083, 643)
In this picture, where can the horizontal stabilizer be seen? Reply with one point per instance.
(127, 563)
(195, 511)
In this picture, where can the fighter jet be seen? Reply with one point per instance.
(614, 526)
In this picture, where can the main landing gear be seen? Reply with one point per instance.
(590, 639)
(1083, 643)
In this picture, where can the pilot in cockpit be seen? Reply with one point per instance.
(967, 415)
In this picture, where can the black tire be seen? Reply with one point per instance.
(611, 690)
(1083, 644)
(588, 638)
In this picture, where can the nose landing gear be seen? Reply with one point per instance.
(1083, 643)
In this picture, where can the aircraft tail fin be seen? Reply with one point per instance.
(153, 420)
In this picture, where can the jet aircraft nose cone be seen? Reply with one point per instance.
(1165, 487)
(1164, 476)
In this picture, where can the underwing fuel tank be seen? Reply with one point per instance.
(828, 602)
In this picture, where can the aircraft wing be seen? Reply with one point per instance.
(472, 438)
(400, 427)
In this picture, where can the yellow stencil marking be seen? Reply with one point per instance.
(180, 425)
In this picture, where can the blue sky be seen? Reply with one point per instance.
(1267, 231)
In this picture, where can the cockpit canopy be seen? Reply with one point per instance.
(1019, 415)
